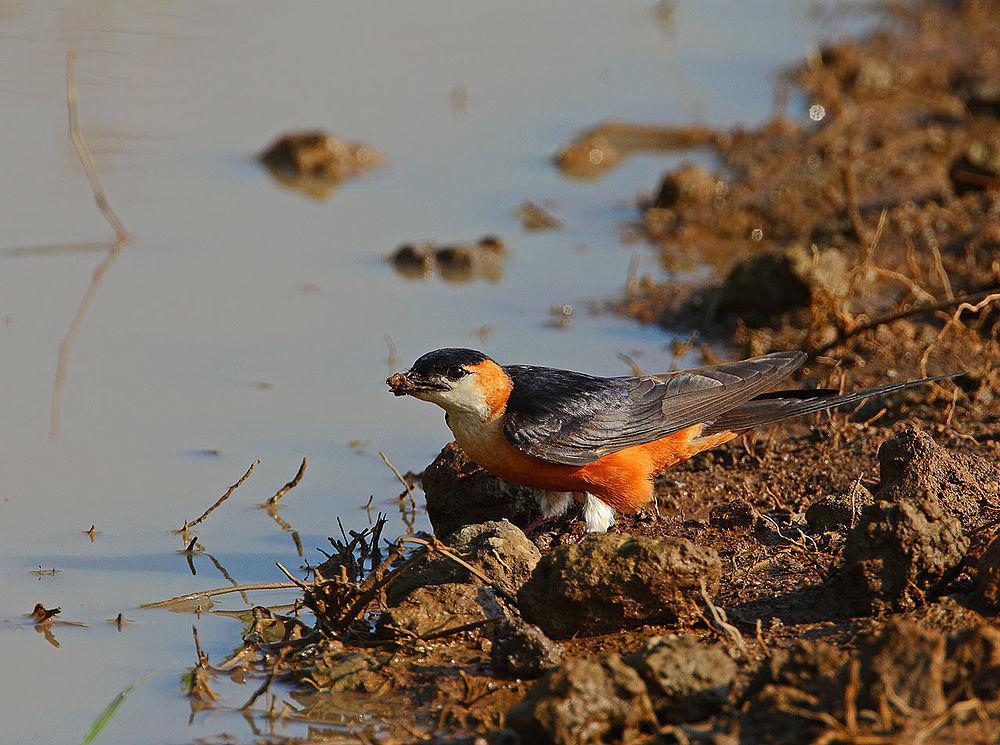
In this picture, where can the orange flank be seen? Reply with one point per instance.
(622, 480)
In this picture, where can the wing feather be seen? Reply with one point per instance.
(574, 419)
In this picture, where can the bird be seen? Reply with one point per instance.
(600, 440)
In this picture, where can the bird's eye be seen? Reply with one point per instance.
(455, 372)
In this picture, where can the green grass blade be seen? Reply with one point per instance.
(111, 709)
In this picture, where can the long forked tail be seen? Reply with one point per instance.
(778, 405)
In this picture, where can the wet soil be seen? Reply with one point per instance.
(832, 580)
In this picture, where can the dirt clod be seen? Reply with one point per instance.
(499, 549)
(897, 551)
(913, 467)
(687, 680)
(987, 590)
(460, 493)
(735, 515)
(689, 184)
(836, 512)
(521, 650)
(438, 608)
(456, 262)
(614, 581)
(316, 161)
(771, 283)
(585, 702)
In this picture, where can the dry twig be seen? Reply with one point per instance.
(188, 525)
(273, 500)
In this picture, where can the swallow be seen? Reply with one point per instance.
(598, 440)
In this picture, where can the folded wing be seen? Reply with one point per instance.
(575, 419)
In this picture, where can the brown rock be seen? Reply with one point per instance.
(521, 650)
(315, 161)
(585, 702)
(836, 512)
(438, 608)
(499, 549)
(687, 680)
(459, 493)
(613, 581)
(897, 550)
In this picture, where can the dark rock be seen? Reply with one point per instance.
(499, 549)
(459, 492)
(738, 514)
(836, 512)
(585, 702)
(688, 185)
(413, 259)
(318, 155)
(687, 680)
(461, 262)
(897, 550)
(521, 650)
(774, 282)
(986, 594)
(914, 467)
(440, 607)
(612, 581)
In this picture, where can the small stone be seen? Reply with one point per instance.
(521, 650)
(836, 512)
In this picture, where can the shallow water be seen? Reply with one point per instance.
(245, 320)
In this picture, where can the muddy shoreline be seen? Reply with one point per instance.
(836, 580)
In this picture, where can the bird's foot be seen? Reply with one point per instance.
(536, 524)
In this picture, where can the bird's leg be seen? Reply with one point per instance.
(554, 504)
(597, 515)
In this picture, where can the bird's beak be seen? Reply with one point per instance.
(404, 384)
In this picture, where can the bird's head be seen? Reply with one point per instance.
(460, 381)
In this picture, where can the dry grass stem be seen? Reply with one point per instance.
(222, 591)
(190, 524)
(273, 500)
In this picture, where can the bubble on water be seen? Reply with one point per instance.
(721, 188)
(814, 161)
(757, 234)
(817, 112)
(595, 156)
